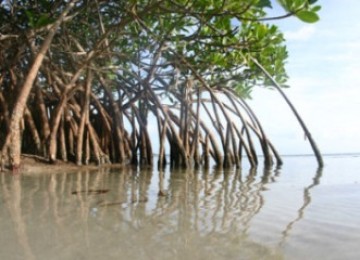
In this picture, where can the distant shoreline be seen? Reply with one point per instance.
(34, 164)
(324, 154)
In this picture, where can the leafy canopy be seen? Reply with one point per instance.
(165, 42)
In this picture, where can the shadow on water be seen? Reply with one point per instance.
(141, 214)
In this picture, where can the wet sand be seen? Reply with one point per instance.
(33, 165)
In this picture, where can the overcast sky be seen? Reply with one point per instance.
(324, 70)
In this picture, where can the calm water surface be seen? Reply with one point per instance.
(296, 212)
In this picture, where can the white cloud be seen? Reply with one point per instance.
(301, 34)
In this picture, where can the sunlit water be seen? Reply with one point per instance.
(296, 212)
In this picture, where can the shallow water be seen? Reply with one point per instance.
(296, 212)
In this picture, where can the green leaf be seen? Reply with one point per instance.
(30, 17)
(316, 8)
(43, 20)
(232, 5)
(312, 1)
(307, 16)
(290, 4)
(264, 3)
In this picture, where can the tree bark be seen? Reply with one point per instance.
(84, 119)
(14, 137)
(34, 132)
(57, 116)
(45, 127)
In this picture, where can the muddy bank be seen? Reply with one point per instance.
(33, 164)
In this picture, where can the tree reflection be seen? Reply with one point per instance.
(306, 203)
(12, 196)
(201, 205)
(185, 213)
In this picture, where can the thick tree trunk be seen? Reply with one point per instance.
(14, 136)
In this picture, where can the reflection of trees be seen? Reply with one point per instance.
(12, 195)
(195, 210)
(301, 210)
(191, 206)
(43, 211)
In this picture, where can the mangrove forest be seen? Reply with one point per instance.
(84, 81)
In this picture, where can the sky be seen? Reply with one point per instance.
(324, 71)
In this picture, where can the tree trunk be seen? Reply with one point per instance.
(84, 119)
(63, 149)
(31, 124)
(14, 137)
(45, 127)
(57, 116)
